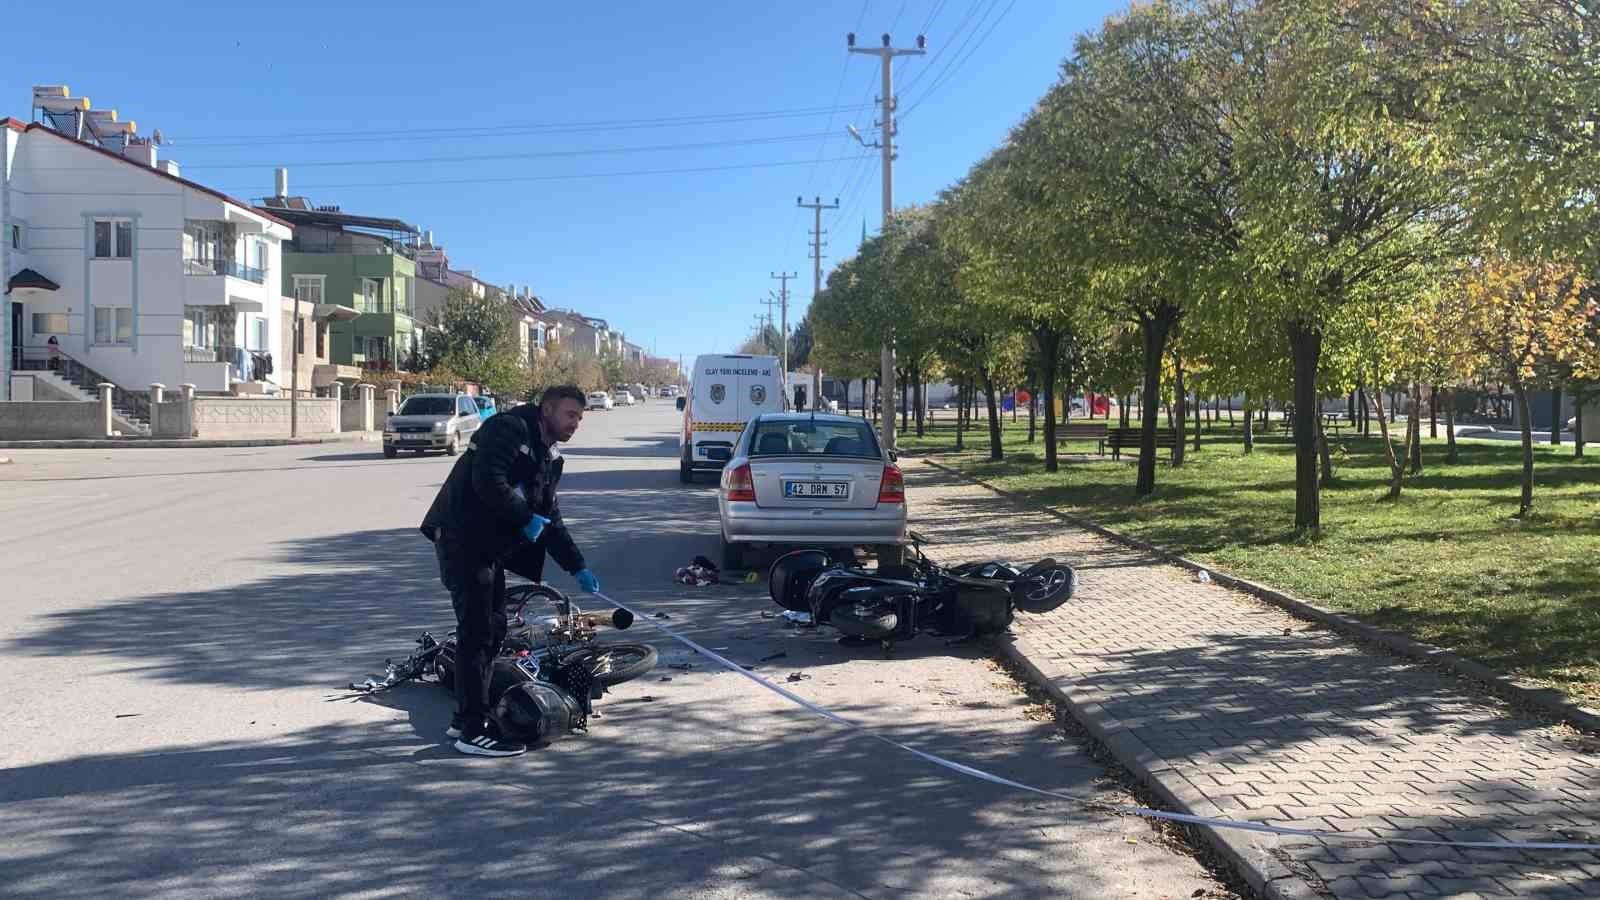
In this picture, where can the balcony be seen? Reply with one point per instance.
(226, 267)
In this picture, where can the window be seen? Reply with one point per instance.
(466, 406)
(371, 294)
(257, 334)
(308, 288)
(113, 239)
(258, 255)
(199, 328)
(113, 325)
(16, 237)
(822, 438)
(426, 406)
(49, 323)
(322, 340)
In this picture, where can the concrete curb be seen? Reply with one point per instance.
(1268, 876)
(1546, 700)
(190, 444)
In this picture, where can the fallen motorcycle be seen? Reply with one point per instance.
(896, 603)
(554, 658)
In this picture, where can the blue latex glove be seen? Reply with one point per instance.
(587, 581)
(535, 527)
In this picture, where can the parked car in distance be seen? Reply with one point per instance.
(599, 400)
(624, 398)
(812, 480)
(431, 422)
(669, 391)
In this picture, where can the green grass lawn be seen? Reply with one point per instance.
(1447, 564)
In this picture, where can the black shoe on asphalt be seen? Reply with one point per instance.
(486, 743)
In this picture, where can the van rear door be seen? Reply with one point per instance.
(759, 391)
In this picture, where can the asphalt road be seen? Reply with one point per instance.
(173, 624)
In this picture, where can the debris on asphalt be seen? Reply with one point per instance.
(696, 576)
(665, 678)
(798, 676)
(752, 578)
(796, 618)
(779, 655)
(768, 614)
(1203, 577)
(659, 616)
(682, 667)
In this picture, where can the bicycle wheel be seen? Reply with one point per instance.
(611, 664)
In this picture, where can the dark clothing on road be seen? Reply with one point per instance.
(506, 477)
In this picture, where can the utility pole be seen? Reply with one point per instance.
(816, 206)
(783, 336)
(885, 144)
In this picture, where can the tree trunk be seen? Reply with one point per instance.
(1049, 341)
(1527, 450)
(1249, 431)
(1123, 408)
(1154, 331)
(1230, 411)
(1325, 455)
(1578, 398)
(961, 416)
(1450, 455)
(1555, 417)
(1350, 408)
(1414, 438)
(1433, 412)
(1197, 404)
(919, 401)
(1180, 403)
(996, 449)
(1305, 344)
(1033, 417)
(1397, 467)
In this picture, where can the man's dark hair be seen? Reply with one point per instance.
(553, 395)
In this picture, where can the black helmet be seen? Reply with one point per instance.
(534, 712)
(791, 576)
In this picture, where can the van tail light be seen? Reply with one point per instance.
(737, 484)
(892, 489)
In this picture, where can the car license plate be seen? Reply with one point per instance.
(816, 490)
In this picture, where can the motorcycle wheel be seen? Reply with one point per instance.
(1041, 590)
(612, 664)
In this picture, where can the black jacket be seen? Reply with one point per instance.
(506, 475)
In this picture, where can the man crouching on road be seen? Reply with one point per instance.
(498, 510)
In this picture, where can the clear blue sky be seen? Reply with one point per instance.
(677, 260)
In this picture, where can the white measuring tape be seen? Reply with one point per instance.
(1082, 801)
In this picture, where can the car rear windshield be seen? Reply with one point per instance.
(813, 438)
(429, 406)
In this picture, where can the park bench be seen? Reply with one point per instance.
(1119, 439)
(1082, 431)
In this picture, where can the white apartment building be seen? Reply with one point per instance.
(140, 275)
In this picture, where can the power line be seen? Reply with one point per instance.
(540, 154)
(571, 177)
(957, 64)
(369, 135)
(945, 45)
(926, 23)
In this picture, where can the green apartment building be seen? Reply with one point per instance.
(363, 263)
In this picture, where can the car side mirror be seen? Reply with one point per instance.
(682, 402)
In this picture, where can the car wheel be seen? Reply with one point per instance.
(732, 554)
(685, 474)
(390, 452)
(451, 448)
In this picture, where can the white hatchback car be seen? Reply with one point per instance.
(624, 398)
(813, 480)
(599, 400)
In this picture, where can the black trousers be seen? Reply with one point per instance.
(478, 593)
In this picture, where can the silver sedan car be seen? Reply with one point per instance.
(809, 479)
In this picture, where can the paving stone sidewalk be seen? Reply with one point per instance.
(1242, 711)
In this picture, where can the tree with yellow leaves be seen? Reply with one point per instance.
(1522, 321)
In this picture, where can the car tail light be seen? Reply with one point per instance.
(893, 487)
(737, 484)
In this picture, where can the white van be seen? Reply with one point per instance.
(725, 392)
